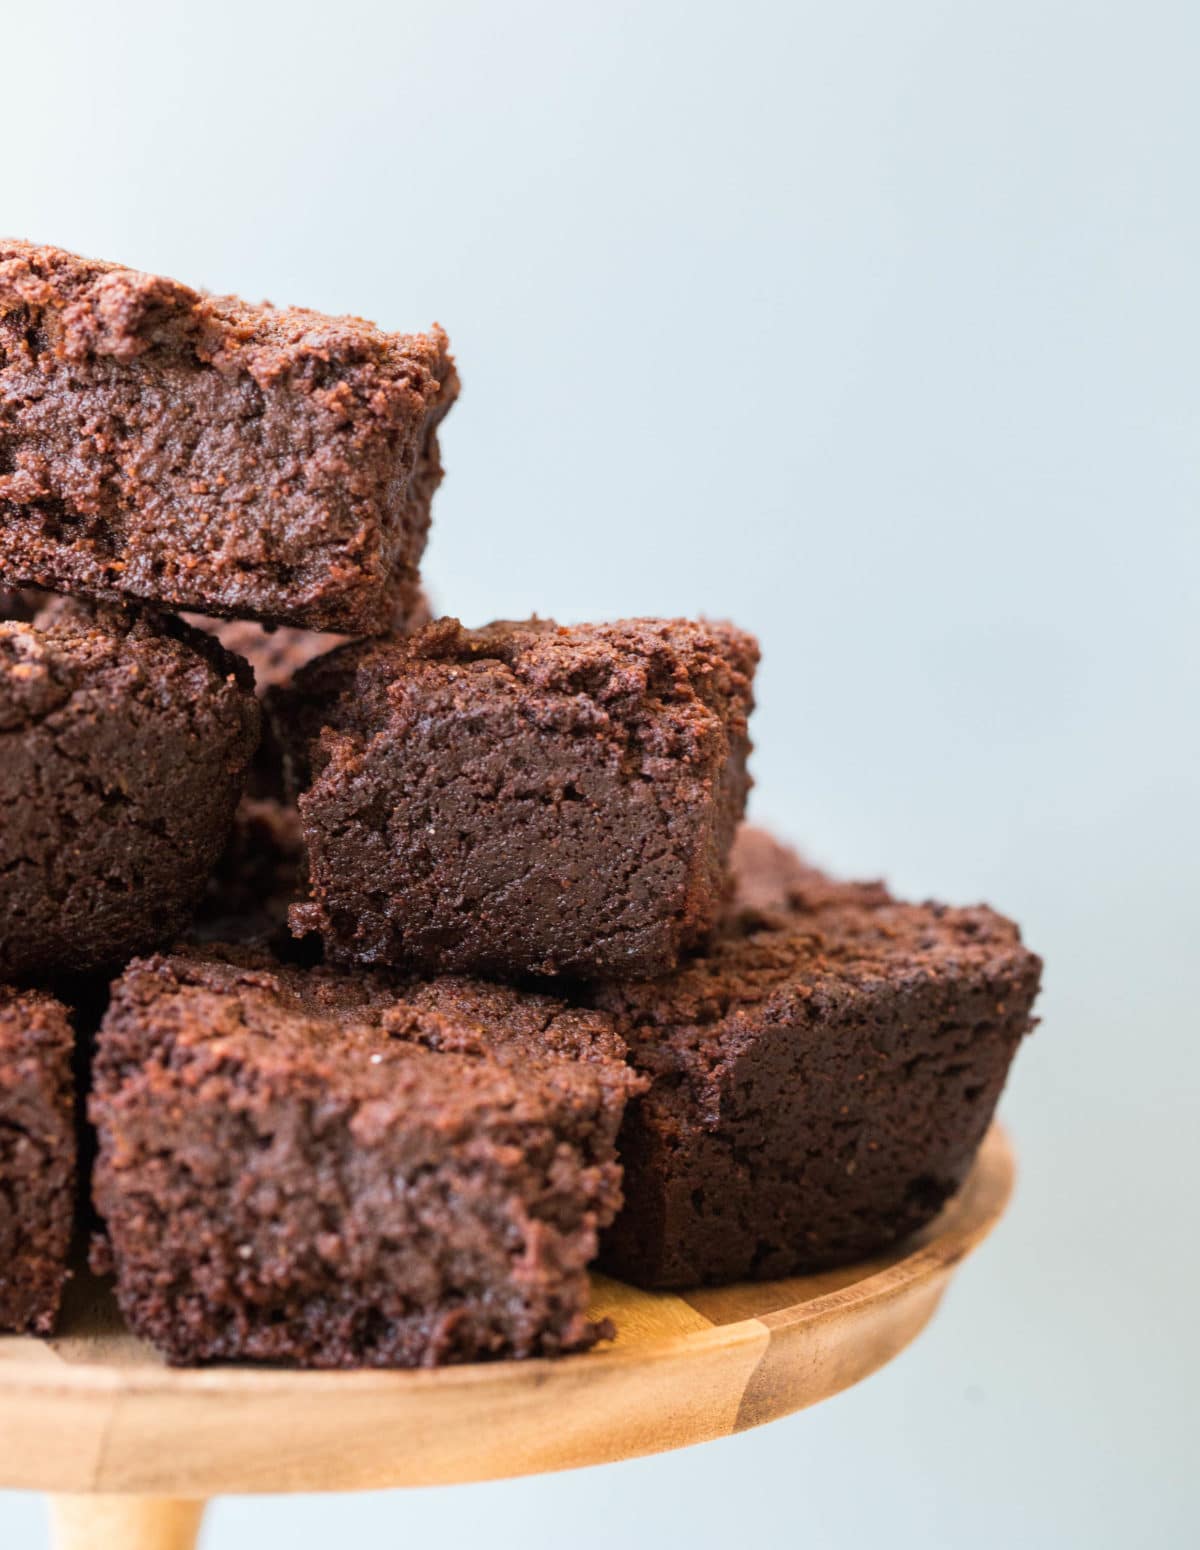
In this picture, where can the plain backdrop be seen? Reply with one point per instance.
(872, 326)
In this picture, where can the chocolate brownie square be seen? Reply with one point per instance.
(356, 1171)
(821, 1077)
(198, 452)
(37, 1157)
(523, 798)
(124, 744)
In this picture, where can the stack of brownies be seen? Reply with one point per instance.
(406, 969)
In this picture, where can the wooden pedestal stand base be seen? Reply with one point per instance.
(124, 1522)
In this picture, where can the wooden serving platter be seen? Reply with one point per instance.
(95, 1412)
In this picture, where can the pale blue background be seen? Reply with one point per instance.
(874, 326)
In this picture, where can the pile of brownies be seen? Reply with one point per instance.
(365, 978)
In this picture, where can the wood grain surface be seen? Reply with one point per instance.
(95, 1411)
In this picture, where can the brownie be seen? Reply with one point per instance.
(37, 1157)
(199, 452)
(524, 798)
(356, 1171)
(124, 744)
(821, 1077)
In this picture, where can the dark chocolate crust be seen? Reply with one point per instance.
(124, 744)
(357, 1172)
(524, 798)
(821, 1077)
(37, 1157)
(198, 452)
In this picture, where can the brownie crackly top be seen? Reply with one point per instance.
(316, 1020)
(108, 309)
(654, 683)
(117, 655)
(834, 945)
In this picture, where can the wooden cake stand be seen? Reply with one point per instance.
(131, 1449)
